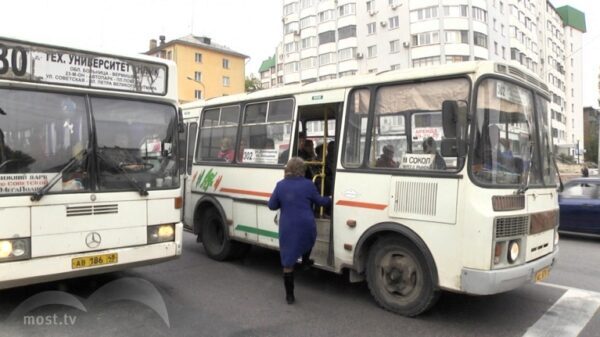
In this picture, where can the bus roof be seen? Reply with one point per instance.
(43, 64)
(511, 69)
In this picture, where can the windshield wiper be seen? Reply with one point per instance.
(132, 181)
(561, 186)
(525, 186)
(37, 196)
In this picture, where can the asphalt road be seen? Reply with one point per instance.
(246, 298)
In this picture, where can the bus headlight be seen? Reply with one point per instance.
(513, 251)
(161, 233)
(14, 249)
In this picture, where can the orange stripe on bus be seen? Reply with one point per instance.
(246, 192)
(378, 207)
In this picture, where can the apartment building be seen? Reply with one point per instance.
(325, 39)
(204, 69)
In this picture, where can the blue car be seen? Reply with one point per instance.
(580, 207)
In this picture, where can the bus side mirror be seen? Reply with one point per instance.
(452, 147)
(180, 125)
(450, 118)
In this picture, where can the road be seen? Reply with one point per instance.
(246, 298)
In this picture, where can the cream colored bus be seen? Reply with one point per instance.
(89, 177)
(442, 178)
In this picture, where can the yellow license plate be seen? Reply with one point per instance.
(94, 260)
(542, 274)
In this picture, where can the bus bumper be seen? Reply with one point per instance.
(46, 269)
(487, 282)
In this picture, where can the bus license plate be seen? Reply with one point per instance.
(94, 260)
(540, 275)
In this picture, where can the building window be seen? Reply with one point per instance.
(347, 9)
(308, 63)
(306, 3)
(371, 28)
(370, 5)
(394, 22)
(395, 67)
(198, 94)
(394, 46)
(456, 11)
(326, 15)
(169, 55)
(325, 59)
(347, 73)
(346, 32)
(346, 54)
(290, 8)
(457, 36)
(480, 39)
(423, 14)
(479, 14)
(225, 81)
(426, 61)
(291, 67)
(309, 42)
(291, 27)
(308, 21)
(198, 76)
(290, 47)
(456, 58)
(225, 64)
(327, 37)
(198, 58)
(426, 38)
(371, 51)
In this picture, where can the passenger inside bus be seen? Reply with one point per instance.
(226, 152)
(386, 159)
(430, 148)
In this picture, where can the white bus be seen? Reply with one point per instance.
(89, 178)
(442, 178)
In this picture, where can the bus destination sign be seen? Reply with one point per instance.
(27, 62)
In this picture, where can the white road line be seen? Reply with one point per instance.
(568, 316)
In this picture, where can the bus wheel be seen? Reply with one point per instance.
(216, 243)
(399, 278)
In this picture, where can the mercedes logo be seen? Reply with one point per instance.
(93, 240)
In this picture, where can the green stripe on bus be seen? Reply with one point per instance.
(254, 230)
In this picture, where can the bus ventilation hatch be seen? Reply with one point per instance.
(416, 197)
(92, 210)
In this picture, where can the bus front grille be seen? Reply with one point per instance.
(507, 227)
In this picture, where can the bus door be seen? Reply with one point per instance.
(187, 142)
(317, 147)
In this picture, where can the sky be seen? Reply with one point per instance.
(251, 27)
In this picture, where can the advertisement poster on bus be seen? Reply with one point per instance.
(26, 182)
(422, 133)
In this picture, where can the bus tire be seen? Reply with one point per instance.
(399, 278)
(217, 244)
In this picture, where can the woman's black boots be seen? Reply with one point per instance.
(288, 281)
(307, 262)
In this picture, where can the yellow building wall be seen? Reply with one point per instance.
(212, 72)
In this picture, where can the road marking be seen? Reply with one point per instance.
(568, 316)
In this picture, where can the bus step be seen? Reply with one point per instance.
(320, 252)
(323, 229)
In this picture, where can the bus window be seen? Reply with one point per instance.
(417, 148)
(356, 128)
(143, 150)
(218, 134)
(264, 136)
(39, 134)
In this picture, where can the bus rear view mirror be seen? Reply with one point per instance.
(452, 147)
(450, 118)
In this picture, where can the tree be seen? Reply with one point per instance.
(252, 84)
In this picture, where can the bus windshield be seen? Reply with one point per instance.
(44, 135)
(507, 148)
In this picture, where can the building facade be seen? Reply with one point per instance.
(205, 69)
(325, 39)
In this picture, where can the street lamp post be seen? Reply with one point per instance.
(202, 84)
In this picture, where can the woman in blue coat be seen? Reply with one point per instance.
(295, 196)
